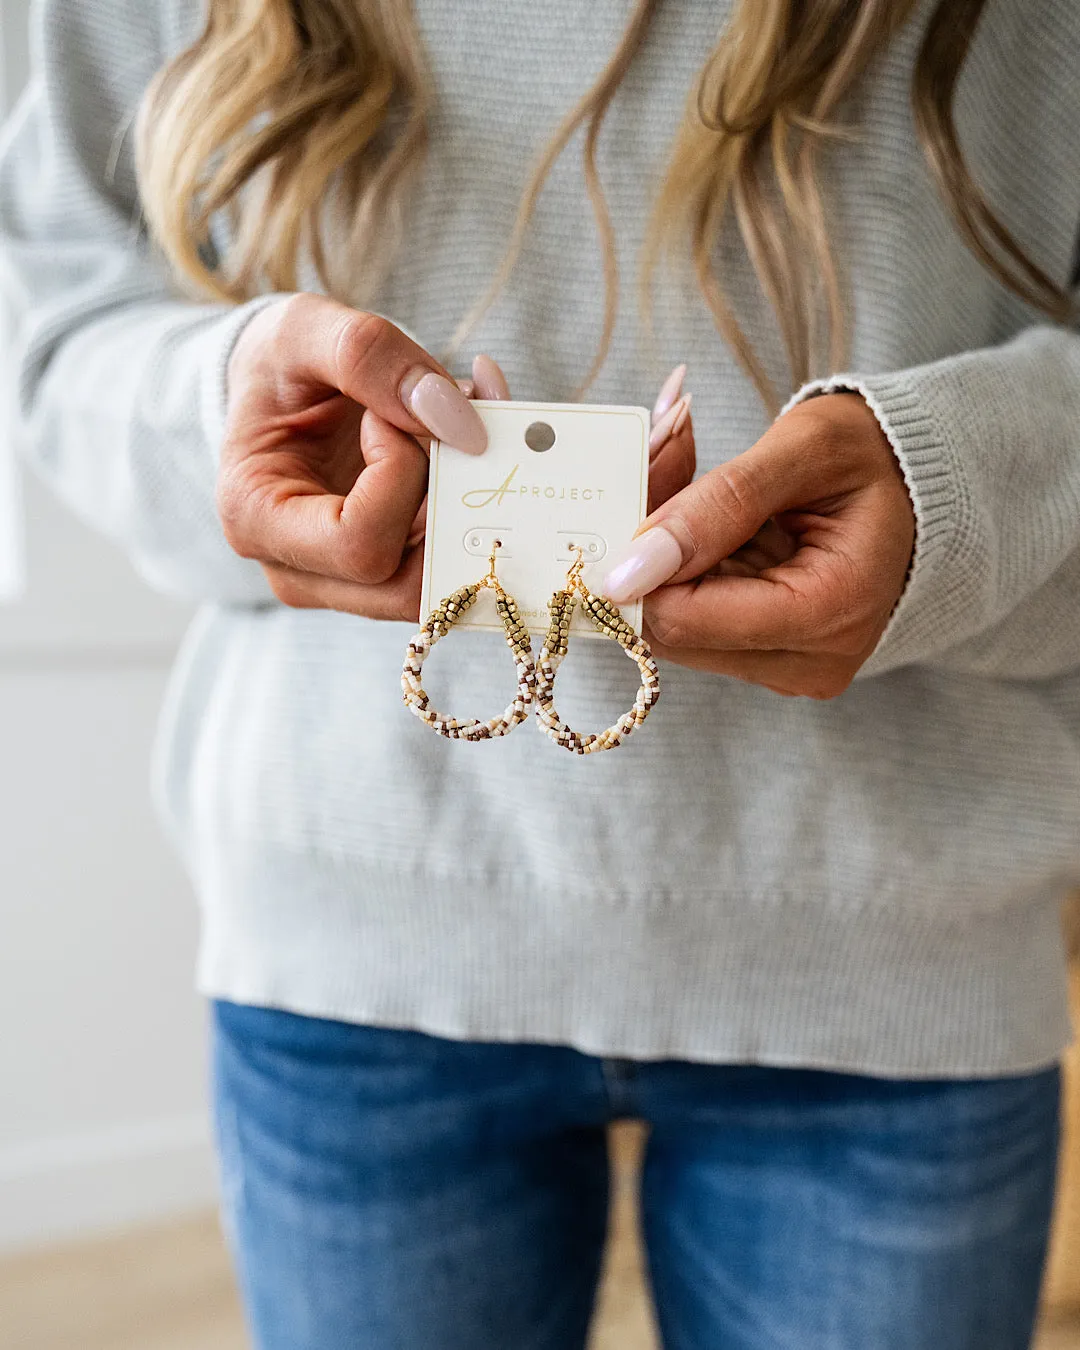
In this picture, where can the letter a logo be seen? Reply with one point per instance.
(478, 498)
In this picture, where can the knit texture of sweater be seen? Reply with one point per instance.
(870, 883)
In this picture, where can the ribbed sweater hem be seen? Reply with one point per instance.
(797, 981)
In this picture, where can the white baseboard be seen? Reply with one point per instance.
(77, 1187)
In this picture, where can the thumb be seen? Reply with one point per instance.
(697, 527)
(716, 515)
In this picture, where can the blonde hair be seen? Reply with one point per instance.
(321, 106)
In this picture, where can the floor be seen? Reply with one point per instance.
(170, 1289)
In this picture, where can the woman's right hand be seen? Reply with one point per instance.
(321, 473)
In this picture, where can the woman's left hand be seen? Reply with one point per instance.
(783, 565)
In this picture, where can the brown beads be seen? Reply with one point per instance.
(439, 623)
(536, 683)
(607, 620)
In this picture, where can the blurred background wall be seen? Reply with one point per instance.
(102, 1118)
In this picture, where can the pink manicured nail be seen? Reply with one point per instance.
(669, 392)
(467, 387)
(671, 423)
(646, 563)
(444, 410)
(490, 381)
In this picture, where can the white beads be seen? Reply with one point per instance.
(536, 683)
(438, 625)
(607, 619)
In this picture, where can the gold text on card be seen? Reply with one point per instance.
(479, 498)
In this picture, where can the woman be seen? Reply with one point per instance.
(812, 941)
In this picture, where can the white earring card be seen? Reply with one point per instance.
(555, 478)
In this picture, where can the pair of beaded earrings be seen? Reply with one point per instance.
(536, 680)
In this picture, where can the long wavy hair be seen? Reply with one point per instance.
(297, 118)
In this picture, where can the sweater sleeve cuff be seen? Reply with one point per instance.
(924, 615)
(214, 386)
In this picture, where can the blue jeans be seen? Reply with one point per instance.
(388, 1190)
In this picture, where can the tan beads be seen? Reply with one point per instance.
(536, 683)
(607, 619)
(439, 623)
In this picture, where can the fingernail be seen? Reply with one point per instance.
(467, 387)
(444, 410)
(489, 378)
(671, 423)
(669, 392)
(683, 417)
(643, 565)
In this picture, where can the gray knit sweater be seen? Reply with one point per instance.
(870, 883)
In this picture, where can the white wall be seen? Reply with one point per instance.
(102, 1099)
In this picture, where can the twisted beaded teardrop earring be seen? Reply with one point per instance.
(441, 620)
(607, 619)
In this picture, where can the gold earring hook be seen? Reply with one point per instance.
(573, 577)
(491, 579)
